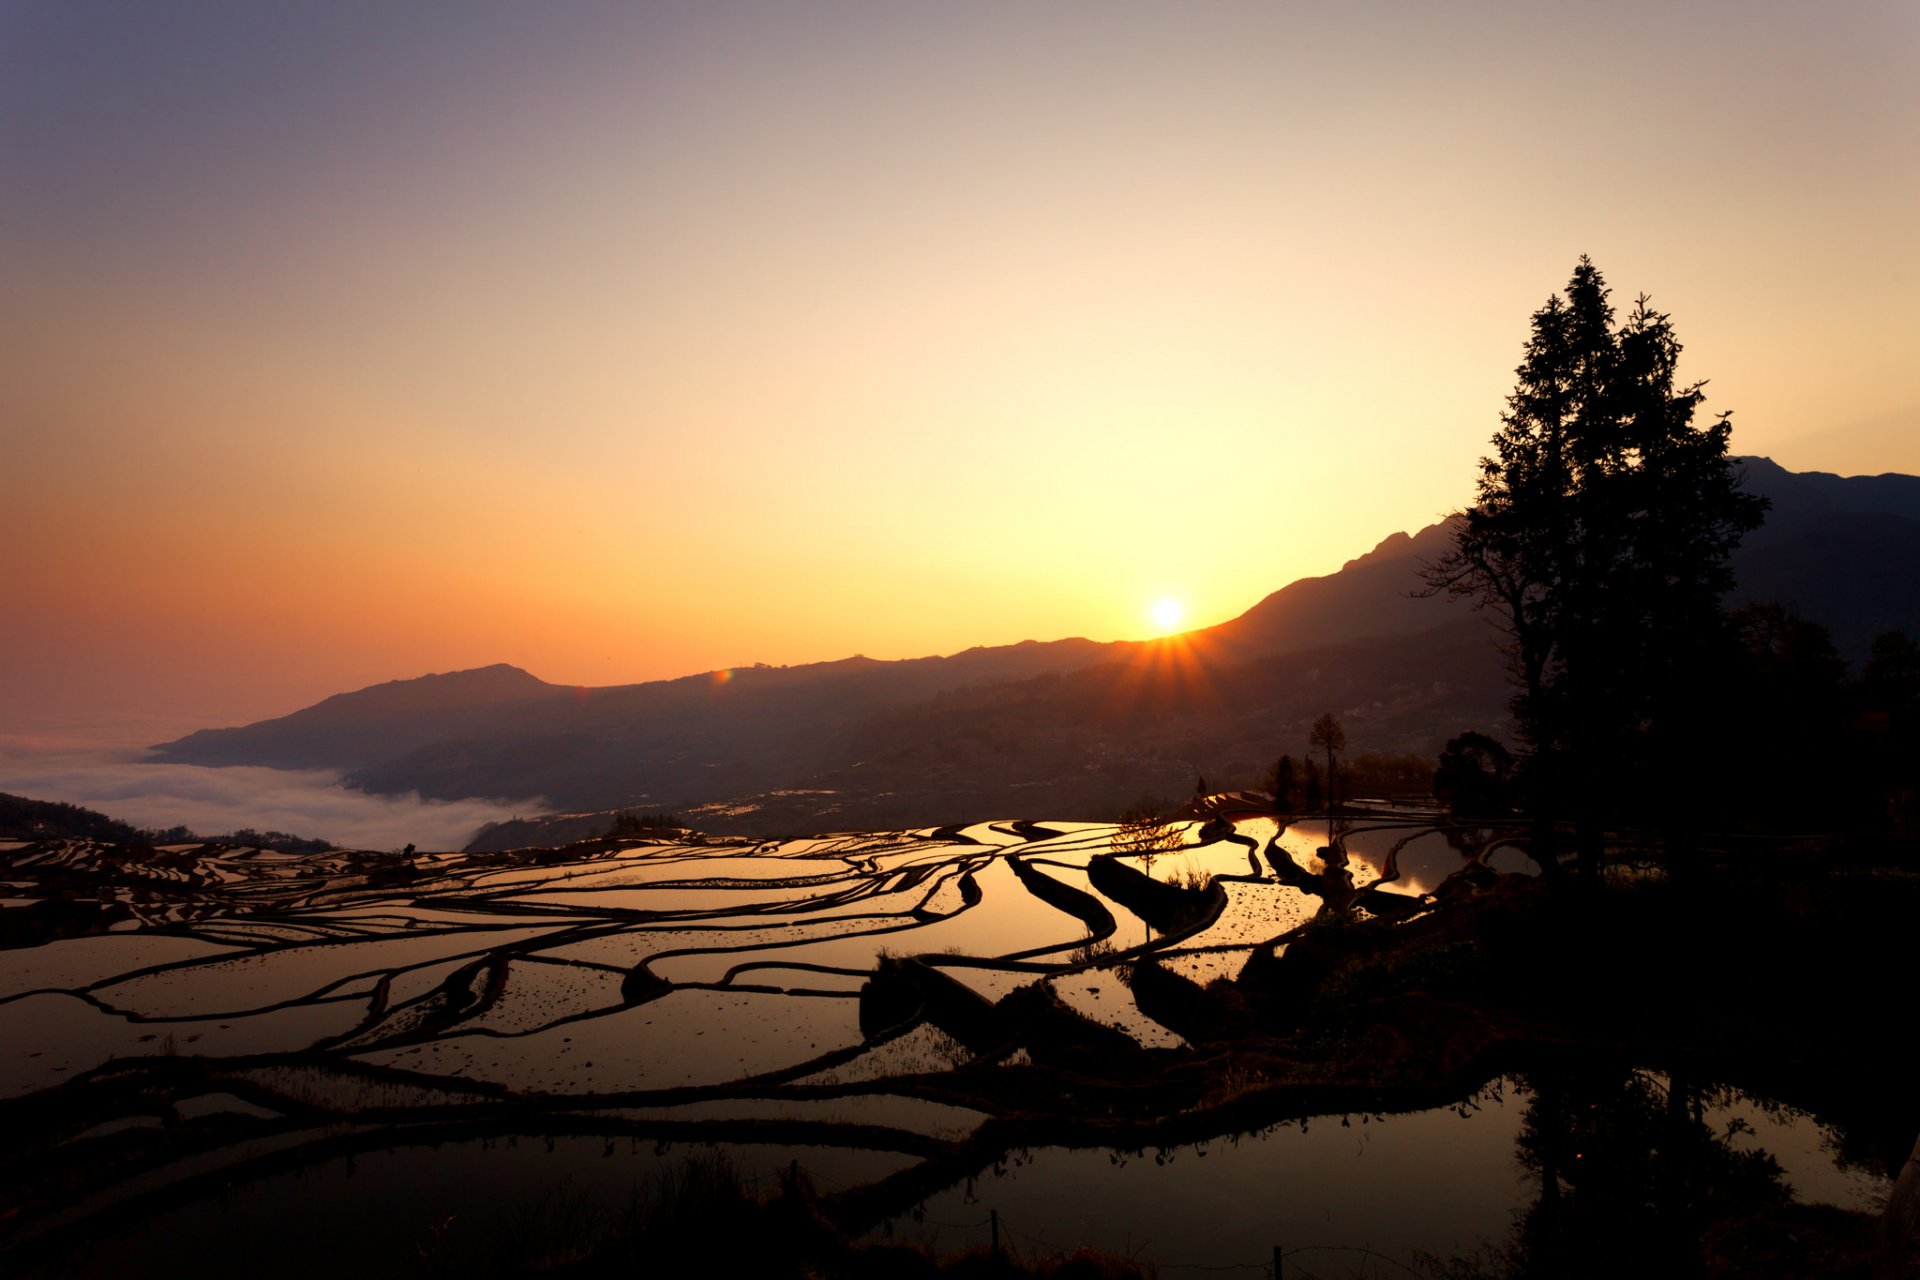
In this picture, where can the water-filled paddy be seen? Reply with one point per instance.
(269, 1000)
(683, 1039)
(1341, 1195)
(81, 962)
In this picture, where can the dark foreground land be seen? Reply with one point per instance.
(1623, 1017)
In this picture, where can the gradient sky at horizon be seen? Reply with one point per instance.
(343, 342)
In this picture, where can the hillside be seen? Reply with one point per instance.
(1844, 552)
(25, 819)
(381, 721)
(1071, 726)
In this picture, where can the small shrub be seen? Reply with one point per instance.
(1190, 877)
(1091, 952)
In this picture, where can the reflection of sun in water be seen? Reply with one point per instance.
(1166, 614)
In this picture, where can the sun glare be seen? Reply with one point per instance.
(1167, 614)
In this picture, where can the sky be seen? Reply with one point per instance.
(343, 342)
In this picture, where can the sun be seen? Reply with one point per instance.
(1167, 614)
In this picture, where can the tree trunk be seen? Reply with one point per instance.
(1896, 1224)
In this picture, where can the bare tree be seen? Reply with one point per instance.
(1145, 833)
(1327, 735)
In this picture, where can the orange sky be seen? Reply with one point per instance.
(619, 342)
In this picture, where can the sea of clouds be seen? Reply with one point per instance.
(112, 778)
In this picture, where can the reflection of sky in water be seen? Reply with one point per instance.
(1302, 841)
(535, 994)
(1007, 920)
(1423, 862)
(824, 898)
(1512, 860)
(1205, 966)
(332, 951)
(923, 1049)
(1099, 996)
(685, 1038)
(1223, 858)
(1429, 1180)
(993, 984)
(249, 982)
(1255, 913)
(547, 1014)
(69, 1036)
(1793, 1139)
(894, 1111)
(638, 871)
(78, 962)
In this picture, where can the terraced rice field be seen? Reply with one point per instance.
(495, 968)
(250, 1014)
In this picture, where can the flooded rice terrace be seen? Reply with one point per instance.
(471, 1056)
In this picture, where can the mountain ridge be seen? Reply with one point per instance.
(1075, 722)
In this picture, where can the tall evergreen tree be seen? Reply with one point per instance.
(1599, 538)
(1281, 782)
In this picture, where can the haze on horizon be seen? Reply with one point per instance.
(347, 342)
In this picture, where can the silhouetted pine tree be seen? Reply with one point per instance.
(1600, 538)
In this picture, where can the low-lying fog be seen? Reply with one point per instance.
(101, 769)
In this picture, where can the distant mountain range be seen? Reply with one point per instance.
(1064, 728)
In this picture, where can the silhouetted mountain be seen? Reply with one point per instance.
(501, 732)
(1068, 727)
(1843, 552)
(1373, 595)
(1802, 495)
(382, 721)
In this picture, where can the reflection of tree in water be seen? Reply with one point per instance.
(1629, 1173)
